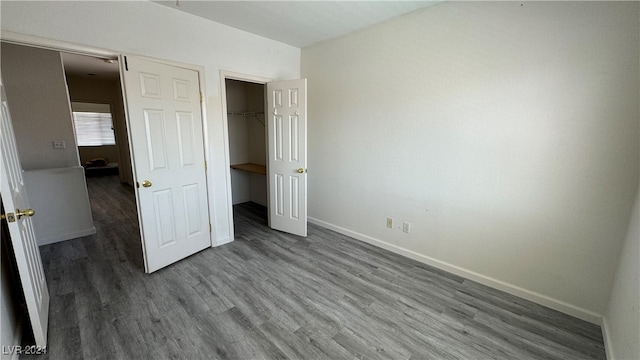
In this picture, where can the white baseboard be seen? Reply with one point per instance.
(544, 300)
(606, 335)
(68, 236)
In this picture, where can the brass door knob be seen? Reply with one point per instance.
(146, 183)
(11, 217)
(300, 171)
(27, 212)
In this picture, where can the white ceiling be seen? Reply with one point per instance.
(298, 23)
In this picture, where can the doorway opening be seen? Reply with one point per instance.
(99, 124)
(247, 139)
(97, 106)
(282, 135)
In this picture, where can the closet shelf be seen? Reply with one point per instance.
(254, 168)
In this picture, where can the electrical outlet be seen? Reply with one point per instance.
(406, 227)
(390, 223)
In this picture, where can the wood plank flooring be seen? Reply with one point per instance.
(270, 295)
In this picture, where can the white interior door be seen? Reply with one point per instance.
(16, 206)
(287, 155)
(164, 119)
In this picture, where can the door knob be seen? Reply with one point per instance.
(28, 213)
(146, 183)
(300, 170)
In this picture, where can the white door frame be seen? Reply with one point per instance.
(224, 75)
(57, 45)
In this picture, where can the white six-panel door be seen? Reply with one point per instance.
(27, 254)
(287, 155)
(166, 136)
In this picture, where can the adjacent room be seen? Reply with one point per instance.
(404, 180)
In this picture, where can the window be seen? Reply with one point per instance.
(93, 124)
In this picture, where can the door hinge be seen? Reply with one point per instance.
(210, 228)
(126, 65)
(201, 96)
(205, 165)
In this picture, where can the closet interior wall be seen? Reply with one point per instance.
(247, 144)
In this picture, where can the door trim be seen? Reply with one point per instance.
(57, 45)
(224, 75)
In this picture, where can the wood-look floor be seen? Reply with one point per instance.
(270, 295)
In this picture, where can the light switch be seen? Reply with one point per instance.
(59, 144)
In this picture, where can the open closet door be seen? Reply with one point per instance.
(287, 155)
(17, 216)
(164, 120)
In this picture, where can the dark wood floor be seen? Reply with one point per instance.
(270, 295)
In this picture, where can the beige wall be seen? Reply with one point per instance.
(39, 104)
(107, 91)
(505, 132)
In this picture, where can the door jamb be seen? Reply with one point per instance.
(224, 75)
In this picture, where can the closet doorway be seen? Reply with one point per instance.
(247, 141)
(266, 125)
